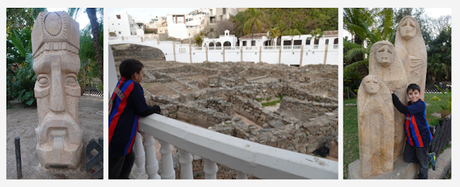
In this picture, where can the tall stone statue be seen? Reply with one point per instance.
(411, 49)
(376, 127)
(385, 64)
(55, 45)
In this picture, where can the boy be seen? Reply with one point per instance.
(126, 105)
(417, 130)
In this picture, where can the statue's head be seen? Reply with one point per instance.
(383, 52)
(56, 64)
(371, 84)
(408, 27)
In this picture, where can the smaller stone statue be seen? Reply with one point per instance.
(376, 127)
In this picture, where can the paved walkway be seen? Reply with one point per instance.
(444, 162)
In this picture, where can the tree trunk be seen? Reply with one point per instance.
(96, 39)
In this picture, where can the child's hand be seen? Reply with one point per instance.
(391, 91)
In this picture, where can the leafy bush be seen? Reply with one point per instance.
(20, 74)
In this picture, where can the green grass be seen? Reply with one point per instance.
(350, 128)
(271, 103)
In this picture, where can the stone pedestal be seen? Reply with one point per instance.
(401, 170)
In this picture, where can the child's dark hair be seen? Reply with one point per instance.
(130, 66)
(413, 87)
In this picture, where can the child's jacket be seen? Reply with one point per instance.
(125, 105)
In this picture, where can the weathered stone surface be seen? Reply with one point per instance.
(401, 170)
(55, 45)
(385, 64)
(411, 48)
(376, 127)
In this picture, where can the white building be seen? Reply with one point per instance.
(216, 43)
(123, 25)
(176, 26)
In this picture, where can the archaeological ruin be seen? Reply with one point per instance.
(292, 108)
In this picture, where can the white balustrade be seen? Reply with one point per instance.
(138, 170)
(246, 157)
(185, 160)
(287, 47)
(315, 46)
(336, 46)
(210, 169)
(297, 47)
(167, 168)
(241, 175)
(151, 162)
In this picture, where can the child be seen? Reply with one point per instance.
(126, 105)
(417, 130)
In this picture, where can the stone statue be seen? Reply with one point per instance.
(385, 64)
(55, 45)
(376, 127)
(411, 49)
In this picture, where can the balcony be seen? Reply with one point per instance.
(246, 157)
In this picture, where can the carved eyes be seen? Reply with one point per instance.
(43, 80)
(383, 50)
(408, 23)
(71, 80)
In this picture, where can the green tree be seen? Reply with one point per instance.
(20, 74)
(292, 33)
(91, 12)
(252, 19)
(439, 57)
(275, 33)
(89, 68)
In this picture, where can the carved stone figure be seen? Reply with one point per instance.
(55, 45)
(411, 49)
(385, 64)
(376, 127)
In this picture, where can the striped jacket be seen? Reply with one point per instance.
(126, 103)
(416, 126)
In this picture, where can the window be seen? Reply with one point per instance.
(297, 42)
(244, 43)
(308, 41)
(327, 41)
(118, 23)
(119, 32)
(336, 41)
(287, 42)
(253, 43)
(224, 10)
(316, 41)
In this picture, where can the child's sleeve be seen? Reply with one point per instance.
(399, 106)
(138, 103)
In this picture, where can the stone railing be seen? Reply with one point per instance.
(247, 158)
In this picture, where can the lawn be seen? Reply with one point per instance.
(350, 127)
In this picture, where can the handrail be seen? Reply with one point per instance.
(245, 156)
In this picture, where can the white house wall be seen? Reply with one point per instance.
(198, 54)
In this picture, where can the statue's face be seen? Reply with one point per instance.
(371, 85)
(407, 29)
(384, 55)
(57, 89)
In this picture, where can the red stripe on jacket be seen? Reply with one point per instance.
(121, 107)
(417, 132)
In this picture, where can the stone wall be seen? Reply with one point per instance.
(302, 137)
(122, 51)
(304, 110)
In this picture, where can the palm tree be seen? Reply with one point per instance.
(73, 12)
(253, 18)
(317, 34)
(274, 33)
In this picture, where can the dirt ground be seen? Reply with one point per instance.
(22, 123)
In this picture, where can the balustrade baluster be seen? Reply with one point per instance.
(241, 175)
(167, 168)
(185, 160)
(210, 169)
(151, 162)
(138, 171)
